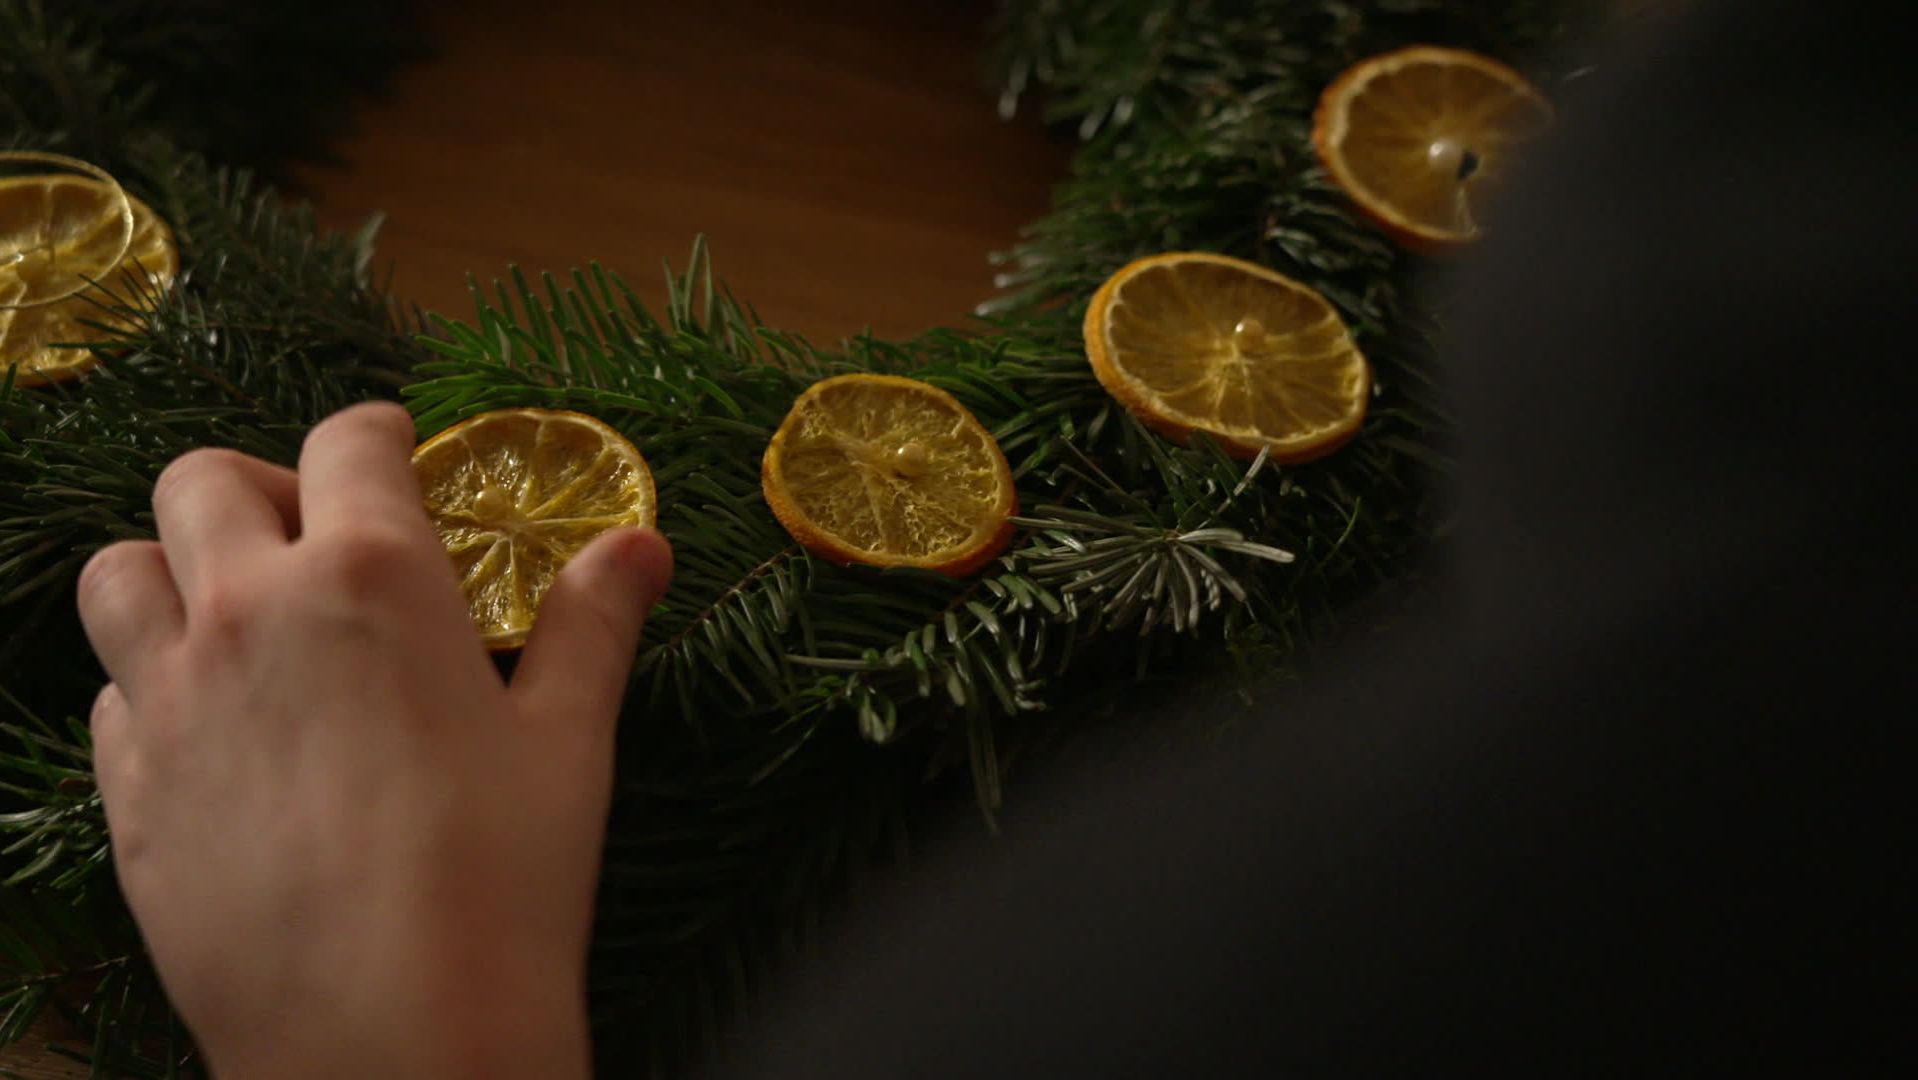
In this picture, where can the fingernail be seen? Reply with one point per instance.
(630, 550)
(660, 577)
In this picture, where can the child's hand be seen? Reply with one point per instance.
(352, 849)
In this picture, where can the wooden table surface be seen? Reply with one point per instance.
(843, 158)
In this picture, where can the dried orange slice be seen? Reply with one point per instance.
(1419, 137)
(1190, 341)
(889, 471)
(83, 229)
(515, 493)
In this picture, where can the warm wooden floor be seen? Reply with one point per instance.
(842, 156)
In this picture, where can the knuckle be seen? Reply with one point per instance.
(223, 610)
(105, 567)
(191, 467)
(114, 756)
(371, 559)
(103, 715)
(328, 426)
(372, 418)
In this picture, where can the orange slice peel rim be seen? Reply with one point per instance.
(1302, 380)
(924, 485)
(1450, 156)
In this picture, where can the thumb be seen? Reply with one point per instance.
(581, 649)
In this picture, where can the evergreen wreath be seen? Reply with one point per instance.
(789, 721)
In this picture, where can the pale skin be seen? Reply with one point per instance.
(352, 849)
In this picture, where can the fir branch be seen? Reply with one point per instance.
(788, 717)
(58, 946)
(759, 650)
(59, 840)
(271, 328)
(255, 85)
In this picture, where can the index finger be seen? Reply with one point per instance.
(357, 467)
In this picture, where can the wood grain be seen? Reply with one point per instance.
(843, 158)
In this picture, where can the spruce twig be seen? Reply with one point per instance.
(790, 720)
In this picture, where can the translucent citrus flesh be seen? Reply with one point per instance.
(889, 471)
(55, 233)
(1426, 139)
(1225, 347)
(516, 493)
